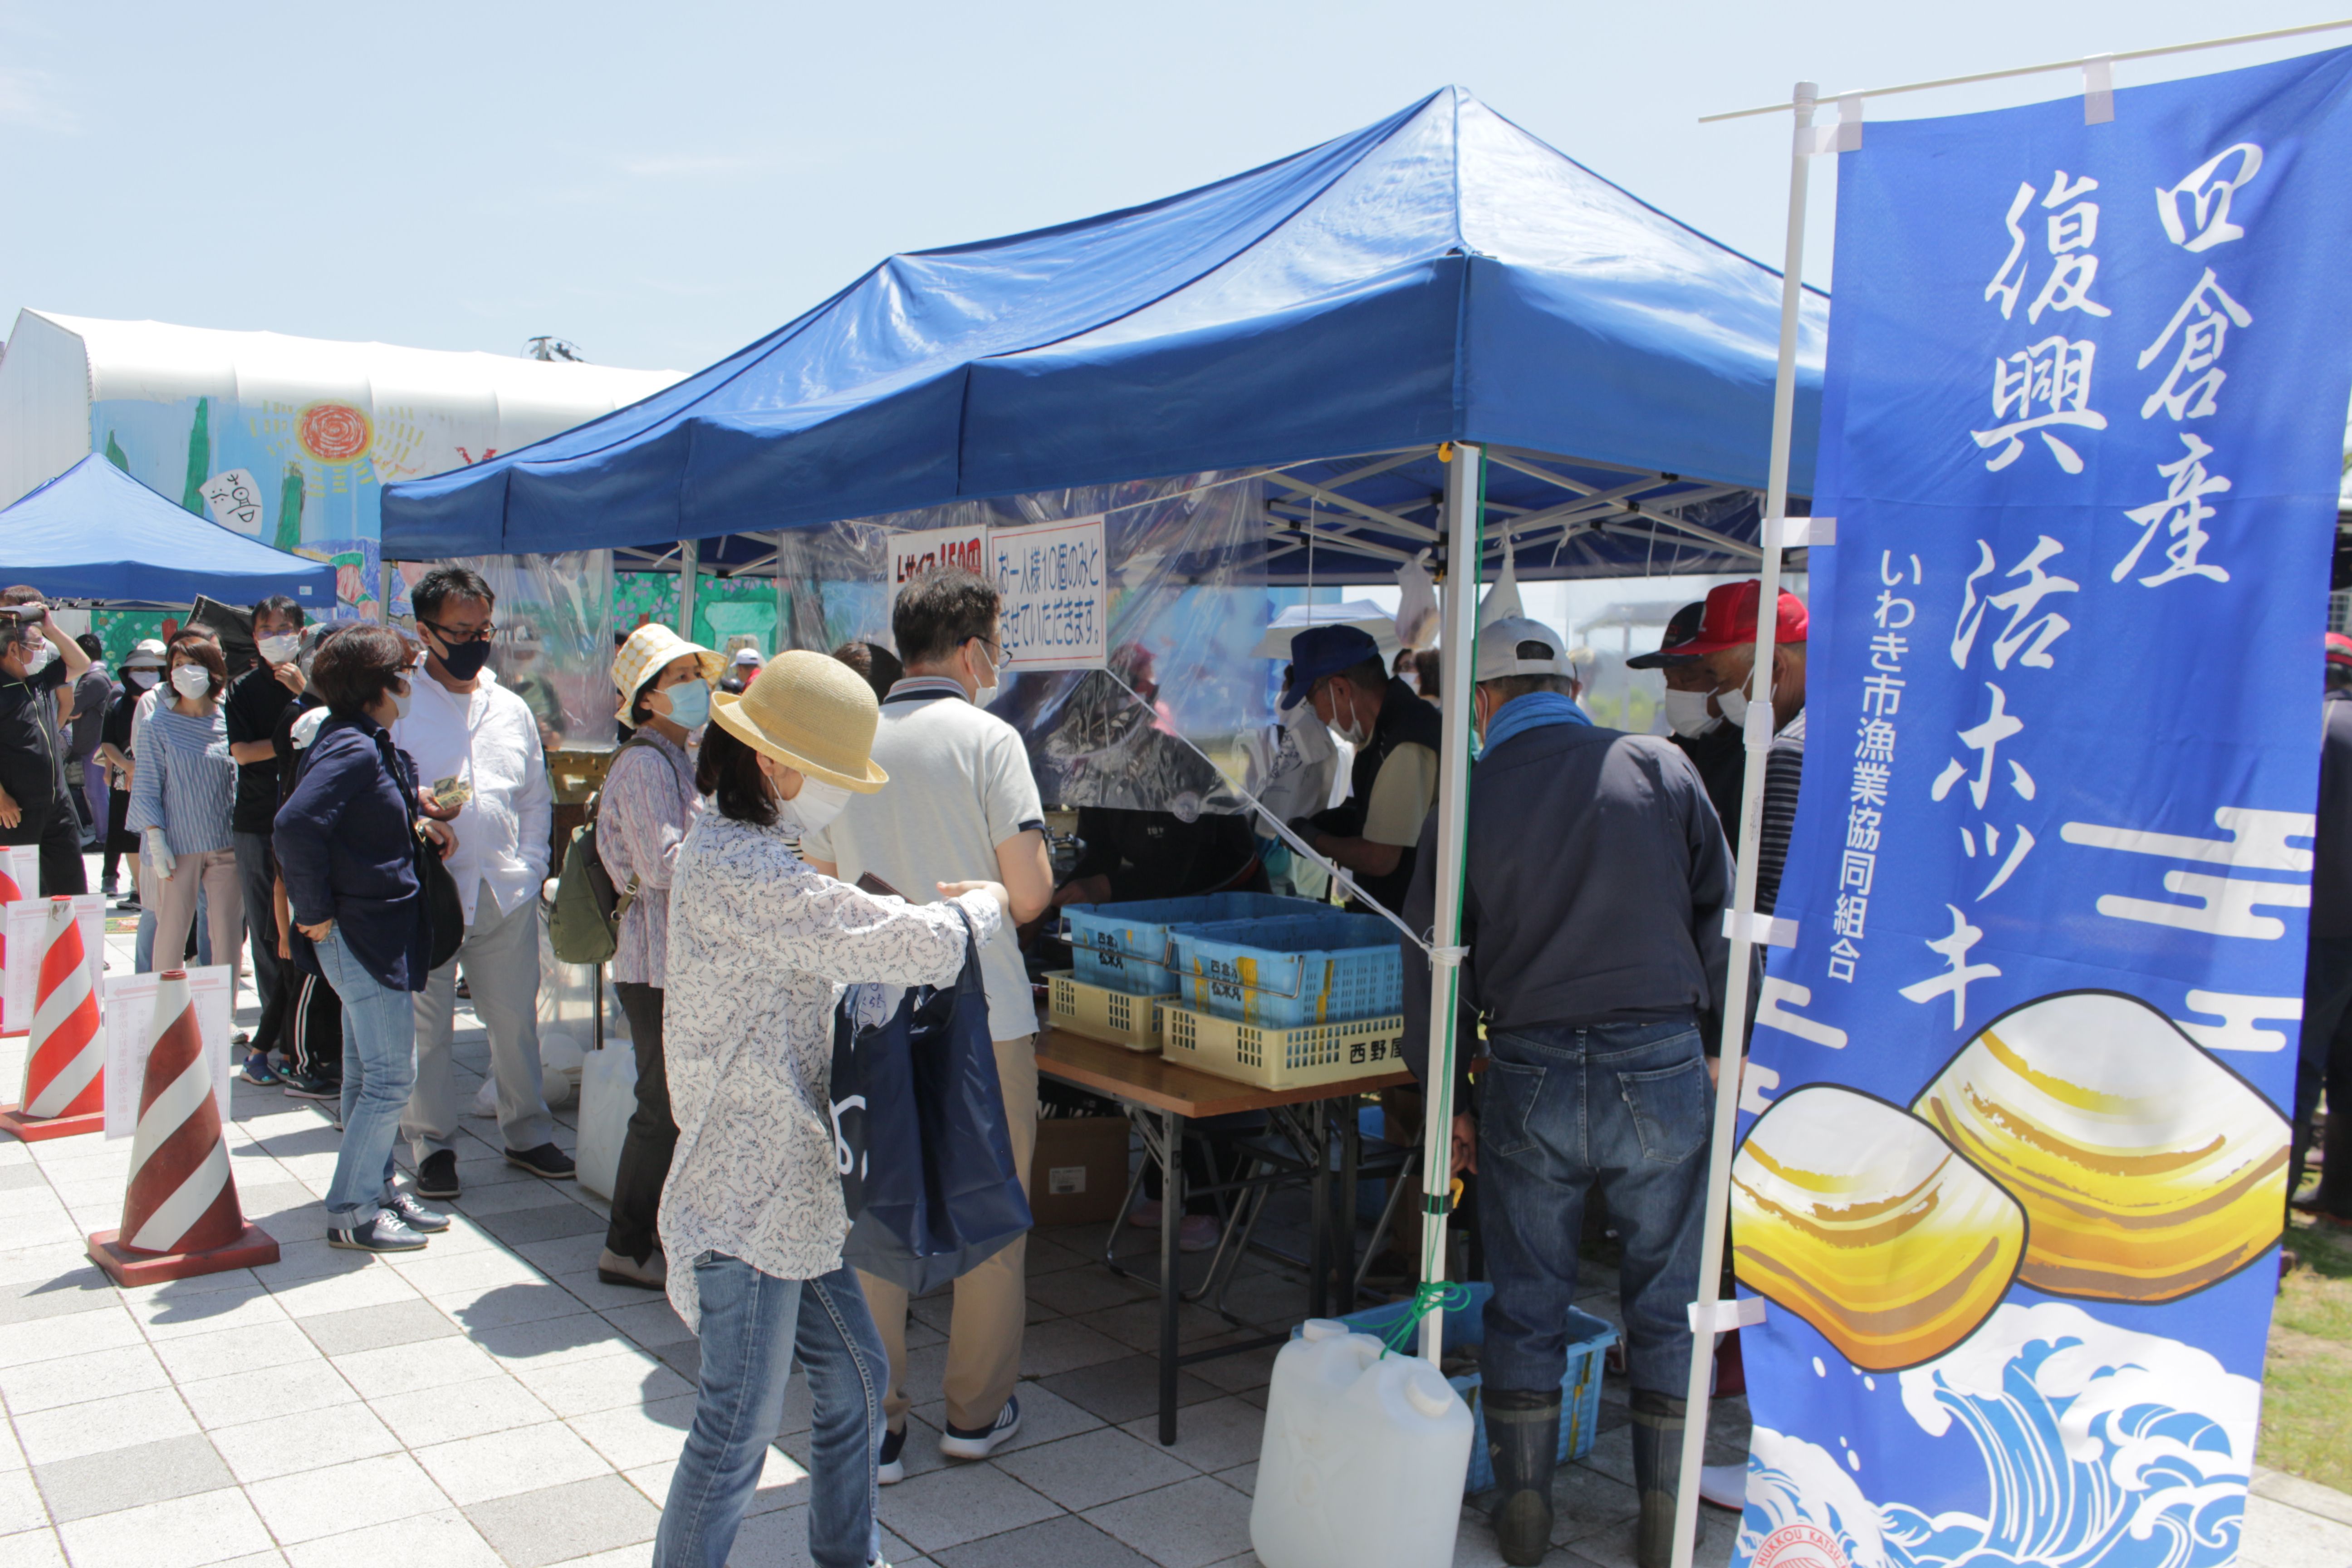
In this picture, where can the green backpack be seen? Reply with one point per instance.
(584, 926)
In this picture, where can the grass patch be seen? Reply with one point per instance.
(2307, 1382)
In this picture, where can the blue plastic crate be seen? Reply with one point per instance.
(1580, 1388)
(1123, 947)
(1281, 973)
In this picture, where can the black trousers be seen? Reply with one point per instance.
(303, 1020)
(2325, 1063)
(653, 1135)
(119, 840)
(53, 826)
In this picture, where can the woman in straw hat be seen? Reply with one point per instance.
(647, 805)
(753, 1211)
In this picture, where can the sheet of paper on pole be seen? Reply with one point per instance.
(24, 923)
(1054, 580)
(912, 554)
(129, 1017)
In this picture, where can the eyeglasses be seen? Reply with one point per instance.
(481, 634)
(995, 653)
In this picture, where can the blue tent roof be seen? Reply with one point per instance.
(95, 533)
(1442, 275)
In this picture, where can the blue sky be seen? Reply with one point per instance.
(662, 184)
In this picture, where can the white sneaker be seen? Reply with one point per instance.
(958, 1443)
(1725, 1485)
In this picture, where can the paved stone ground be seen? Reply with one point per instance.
(487, 1401)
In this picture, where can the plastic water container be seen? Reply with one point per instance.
(1124, 946)
(1363, 1457)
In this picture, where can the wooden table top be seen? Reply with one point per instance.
(1148, 1079)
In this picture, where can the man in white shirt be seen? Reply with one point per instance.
(468, 733)
(962, 806)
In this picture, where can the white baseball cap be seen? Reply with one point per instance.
(1500, 643)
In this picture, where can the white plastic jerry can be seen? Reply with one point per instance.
(1363, 1459)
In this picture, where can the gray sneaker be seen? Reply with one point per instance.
(385, 1232)
(414, 1214)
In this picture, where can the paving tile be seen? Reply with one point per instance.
(557, 1524)
(633, 1435)
(11, 1457)
(512, 1197)
(202, 1356)
(1189, 1525)
(1238, 1371)
(583, 1282)
(1243, 1478)
(428, 1364)
(557, 1259)
(184, 1532)
(69, 1431)
(461, 1410)
(32, 1549)
(782, 1483)
(29, 1266)
(178, 1311)
(651, 1324)
(442, 1538)
(1135, 1324)
(75, 1380)
(962, 1502)
(1065, 1543)
(441, 1273)
(248, 1396)
(1094, 1467)
(343, 1498)
(1076, 1291)
(376, 1328)
(1064, 1344)
(123, 1478)
(2278, 1536)
(1120, 1391)
(317, 1298)
(78, 1334)
(575, 1388)
(550, 1341)
(548, 1221)
(83, 1289)
(20, 1503)
(1586, 1503)
(309, 1440)
(503, 1464)
(1211, 1436)
(479, 1308)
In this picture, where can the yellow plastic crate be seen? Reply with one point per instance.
(1281, 1058)
(1100, 1013)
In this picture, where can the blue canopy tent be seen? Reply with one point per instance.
(96, 534)
(1329, 319)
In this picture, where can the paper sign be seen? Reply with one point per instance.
(1053, 581)
(130, 1017)
(27, 919)
(914, 553)
(235, 500)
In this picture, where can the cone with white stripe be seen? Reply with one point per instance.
(180, 1216)
(11, 891)
(65, 1080)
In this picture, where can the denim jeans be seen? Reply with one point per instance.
(753, 1325)
(379, 1069)
(1624, 1108)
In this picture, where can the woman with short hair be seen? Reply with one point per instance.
(181, 795)
(752, 1217)
(348, 841)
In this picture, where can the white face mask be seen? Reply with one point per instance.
(38, 658)
(1734, 705)
(987, 693)
(138, 679)
(813, 809)
(400, 701)
(191, 681)
(1686, 714)
(1353, 731)
(279, 648)
(1308, 732)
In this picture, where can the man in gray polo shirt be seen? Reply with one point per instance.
(962, 806)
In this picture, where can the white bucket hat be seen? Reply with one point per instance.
(650, 650)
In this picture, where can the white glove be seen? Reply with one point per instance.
(159, 854)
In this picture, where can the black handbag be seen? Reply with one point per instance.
(443, 907)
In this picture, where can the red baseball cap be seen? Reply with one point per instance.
(2339, 650)
(1729, 620)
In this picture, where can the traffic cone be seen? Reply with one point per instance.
(11, 892)
(65, 1076)
(180, 1216)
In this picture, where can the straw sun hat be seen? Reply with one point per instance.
(809, 711)
(650, 650)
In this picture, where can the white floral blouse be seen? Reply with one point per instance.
(760, 949)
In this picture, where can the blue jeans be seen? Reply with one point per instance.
(753, 1324)
(1621, 1106)
(379, 1069)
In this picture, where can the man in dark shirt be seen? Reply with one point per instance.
(141, 671)
(1693, 723)
(2326, 1058)
(85, 772)
(1394, 780)
(38, 659)
(257, 700)
(1593, 891)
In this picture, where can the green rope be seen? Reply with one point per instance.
(1429, 1296)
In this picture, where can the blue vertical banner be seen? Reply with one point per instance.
(2011, 1170)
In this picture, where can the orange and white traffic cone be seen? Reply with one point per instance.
(180, 1216)
(65, 1069)
(11, 891)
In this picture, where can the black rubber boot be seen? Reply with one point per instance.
(1657, 1473)
(1523, 1441)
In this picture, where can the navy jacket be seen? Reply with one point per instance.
(346, 843)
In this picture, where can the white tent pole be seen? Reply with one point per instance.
(1464, 517)
(783, 596)
(1751, 832)
(689, 560)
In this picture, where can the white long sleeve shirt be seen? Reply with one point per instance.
(488, 738)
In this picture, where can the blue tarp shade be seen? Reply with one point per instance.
(95, 533)
(1440, 275)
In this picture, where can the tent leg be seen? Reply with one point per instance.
(690, 564)
(1464, 517)
(783, 599)
(1751, 831)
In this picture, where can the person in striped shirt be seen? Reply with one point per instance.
(181, 795)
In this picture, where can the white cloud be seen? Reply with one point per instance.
(25, 99)
(662, 167)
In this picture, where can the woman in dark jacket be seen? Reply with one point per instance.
(347, 842)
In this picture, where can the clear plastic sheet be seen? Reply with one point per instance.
(554, 642)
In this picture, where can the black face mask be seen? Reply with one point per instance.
(464, 660)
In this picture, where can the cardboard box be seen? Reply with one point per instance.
(1079, 1174)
